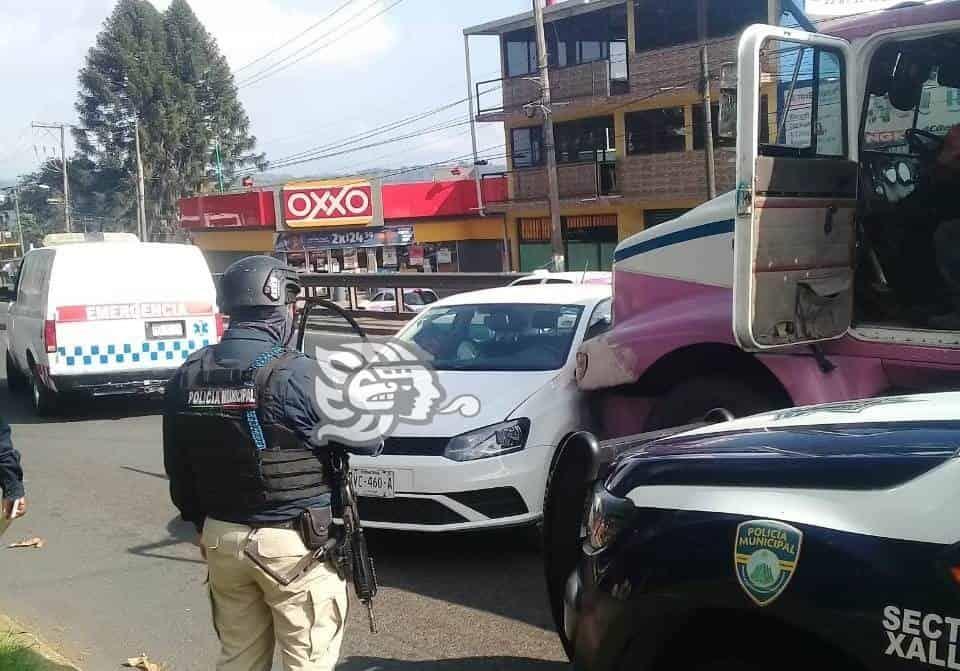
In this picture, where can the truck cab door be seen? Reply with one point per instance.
(796, 188)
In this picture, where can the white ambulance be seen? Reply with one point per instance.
(105, 314)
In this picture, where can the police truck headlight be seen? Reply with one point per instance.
(490, 441)
(607, 517)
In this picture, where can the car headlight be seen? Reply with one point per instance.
(490, 441)
(607, 517)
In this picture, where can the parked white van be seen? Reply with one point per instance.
(107, 316)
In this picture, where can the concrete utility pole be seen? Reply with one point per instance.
(16, 213)
(141, 196)
(66, 180)
(707, 101)
(556, 232)
(477, 177)
(708, 124)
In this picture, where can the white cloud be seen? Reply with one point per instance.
(247, 29)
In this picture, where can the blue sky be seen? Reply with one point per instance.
(406, 60)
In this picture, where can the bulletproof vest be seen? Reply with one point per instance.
(241, 462)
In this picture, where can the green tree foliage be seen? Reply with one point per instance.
(166, 71)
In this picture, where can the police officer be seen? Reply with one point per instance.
(11, 477)
(239, 434)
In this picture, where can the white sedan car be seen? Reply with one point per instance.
(414, 300)
(514, 350)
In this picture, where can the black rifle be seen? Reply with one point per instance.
(356, 559)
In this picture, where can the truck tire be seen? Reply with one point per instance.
(44, 399)
(690, 400)
(16, 381)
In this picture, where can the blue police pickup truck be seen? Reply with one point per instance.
(811, 538)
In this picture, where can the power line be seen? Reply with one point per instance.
(374, 132)
(296, 37)
(418, 133)
(285, 63)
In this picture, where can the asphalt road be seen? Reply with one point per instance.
(119, 576)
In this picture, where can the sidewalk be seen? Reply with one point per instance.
(22, 651)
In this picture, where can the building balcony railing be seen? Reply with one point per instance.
(670, 176)
(585, 83)
(576, 180)
(675, 175)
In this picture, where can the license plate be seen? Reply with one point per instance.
(161, 330)
(373, 482)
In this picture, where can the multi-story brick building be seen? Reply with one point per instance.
(628, 113)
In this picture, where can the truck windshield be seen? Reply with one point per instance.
(930, 102)
(496, 337)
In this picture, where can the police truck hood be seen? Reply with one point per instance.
(853, 445)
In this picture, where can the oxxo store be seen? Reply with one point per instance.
(353, 225)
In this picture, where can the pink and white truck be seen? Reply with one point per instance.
(832, 272)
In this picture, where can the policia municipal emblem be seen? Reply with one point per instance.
(765, 557)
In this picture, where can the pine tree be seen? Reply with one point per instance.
(166, 71)
(216, 140)
(125, 78)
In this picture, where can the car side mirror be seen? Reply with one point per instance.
(727, 123)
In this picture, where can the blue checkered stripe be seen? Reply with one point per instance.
(153, 351)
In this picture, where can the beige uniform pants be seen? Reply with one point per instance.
(252, 613)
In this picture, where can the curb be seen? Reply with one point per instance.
(49, 659)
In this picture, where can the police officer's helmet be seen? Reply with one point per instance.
(258, 281)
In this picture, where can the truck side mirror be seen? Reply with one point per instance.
(727, 124)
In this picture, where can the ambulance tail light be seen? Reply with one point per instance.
(220, 324)
(50, 335)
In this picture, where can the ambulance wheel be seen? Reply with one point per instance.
(690, 400)
(44, 400)
(16, 381)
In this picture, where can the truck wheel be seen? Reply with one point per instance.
(16, 381)
(44, 399)
(691, 399)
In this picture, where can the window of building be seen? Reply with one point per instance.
(656, 131)
(699, 122)
(730, 17)
(583, 38)
(527, 146)
(586, 140)
(521, 54)
(662, 24)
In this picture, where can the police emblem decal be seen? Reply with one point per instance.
(766, 554)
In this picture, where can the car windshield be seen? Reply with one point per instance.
(497, 337)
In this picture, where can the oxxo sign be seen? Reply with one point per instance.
(346, 202)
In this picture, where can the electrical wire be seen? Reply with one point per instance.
(285, 63)
(296, 37)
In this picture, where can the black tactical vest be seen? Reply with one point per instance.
(242, 464)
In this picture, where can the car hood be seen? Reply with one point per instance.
(855, 445)
(497, 395)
